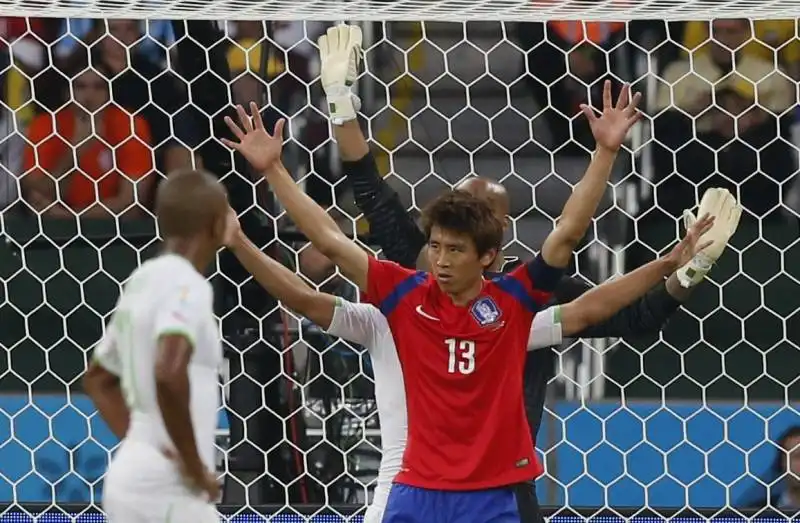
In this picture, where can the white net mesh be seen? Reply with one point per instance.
(408, 10)
(685, 418)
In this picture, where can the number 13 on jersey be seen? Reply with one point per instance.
(462, 356)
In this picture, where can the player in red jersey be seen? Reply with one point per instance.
(461, 339)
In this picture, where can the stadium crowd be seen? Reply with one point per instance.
(719, 118)
(716, 119)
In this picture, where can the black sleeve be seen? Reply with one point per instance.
(543, 276)
(391, 227)
(649, 313)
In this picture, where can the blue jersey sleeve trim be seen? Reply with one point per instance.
(517, 290)
(390, 302)
(544, 277)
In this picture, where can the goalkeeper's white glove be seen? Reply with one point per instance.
(722, 205)
(340, 57)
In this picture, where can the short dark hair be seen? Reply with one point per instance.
(188, 203)
(460, 212)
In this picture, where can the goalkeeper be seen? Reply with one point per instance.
(396, 232)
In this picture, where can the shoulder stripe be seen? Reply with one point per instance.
(516, 289)
(390, 303)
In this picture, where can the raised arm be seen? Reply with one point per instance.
(390, 225)
(279, 281)
(650, 312)
(602, 302)
(263, 151)
(609, 131)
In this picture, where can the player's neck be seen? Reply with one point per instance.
(189, 250)
(465, 296)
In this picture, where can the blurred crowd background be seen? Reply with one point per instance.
(500, 101)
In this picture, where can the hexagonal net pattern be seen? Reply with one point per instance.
(684, 417)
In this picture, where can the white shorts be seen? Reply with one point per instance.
(141, 486)
(130, 508)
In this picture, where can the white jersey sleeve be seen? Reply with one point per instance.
(356, 322)
(546, 329)
(182, 311)
(106, 353)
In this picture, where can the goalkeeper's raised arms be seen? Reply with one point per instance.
(340, 57)
(725, 209)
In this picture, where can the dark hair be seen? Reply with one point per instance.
(189, 202)
(462, 213)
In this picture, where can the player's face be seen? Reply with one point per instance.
(454, 260)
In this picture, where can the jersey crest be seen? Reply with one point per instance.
(485, 311)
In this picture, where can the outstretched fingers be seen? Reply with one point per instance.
(631, 110)
(607, 101)
(257, 121)
(589, 113)
(704, 224)
(278, 131)
(237, 132)
(624, 97)
(704, 246)
(324, 50)
(244, 119)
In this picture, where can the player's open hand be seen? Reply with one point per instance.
(690, 245)
(611, 127)
(259, 147)
(722, 205)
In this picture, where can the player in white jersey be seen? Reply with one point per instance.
(364, 324)
(154, 375)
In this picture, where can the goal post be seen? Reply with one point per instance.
(684, 420)
(409, 10)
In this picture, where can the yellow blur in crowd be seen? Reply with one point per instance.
(771, 38)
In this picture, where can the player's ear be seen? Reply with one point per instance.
(487, 258)
(218, 229)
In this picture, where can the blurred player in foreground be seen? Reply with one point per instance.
(461, 339)
(154, 375)
(364, 324)
(395, 230)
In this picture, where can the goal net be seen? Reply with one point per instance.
(698, 416)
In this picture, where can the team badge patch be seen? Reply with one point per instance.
(485, 311)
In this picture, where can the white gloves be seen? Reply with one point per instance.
(340, 57)
(722, 205)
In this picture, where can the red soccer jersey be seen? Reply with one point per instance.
(463, 367)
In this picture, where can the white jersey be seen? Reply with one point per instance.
(164, 296)
(364, 324)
